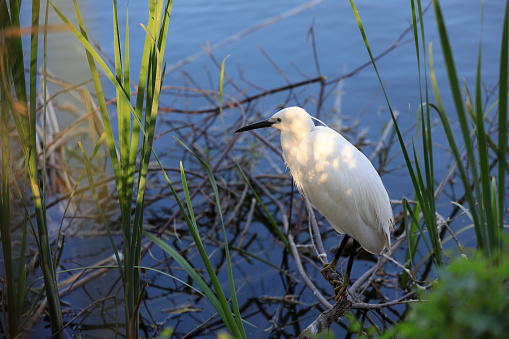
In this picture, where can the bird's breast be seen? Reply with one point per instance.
(344, 186)
(290, 144)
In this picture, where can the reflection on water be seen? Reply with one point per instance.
(268, 58)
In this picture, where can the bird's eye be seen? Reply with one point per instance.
(278, 119)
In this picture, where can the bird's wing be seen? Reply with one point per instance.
(345, 188)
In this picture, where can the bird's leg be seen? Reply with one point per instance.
(334, 262)
(341, 288)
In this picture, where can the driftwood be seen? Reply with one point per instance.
(327, 318)
(343, 305)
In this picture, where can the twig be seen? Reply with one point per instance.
(446, 224)
(313, 228)
(385, 134)
(74, 281)
(193, 195)
(304, 276)
(248, 222)
(293, 247)
(92, 304)
(399, 301)
(372, 271)
(326, 318)
(246, 100)
(215, 314)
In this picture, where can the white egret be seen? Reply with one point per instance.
(338, 179)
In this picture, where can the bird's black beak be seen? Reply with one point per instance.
(261, 124)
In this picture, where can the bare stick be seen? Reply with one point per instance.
(326, 319)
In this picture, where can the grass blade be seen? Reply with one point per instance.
(502, 118)
(5, 223)
(191, 272)
(212, 180)
(231, 324)
(86, 162)
(25, 122)
(461, 114)
(482, 150)
(424, 194)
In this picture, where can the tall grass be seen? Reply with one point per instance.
(484, 190)
(486, 201)
(422, 179)
(231, 318)
(20, 105)
(125, 160)
(124, 164)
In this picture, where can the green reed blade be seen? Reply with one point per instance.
(232, 325)
(421, 191)
(502, 117)
(213, 183)
(460, 111)
(124, 128)
(189, 270)
(415, 220)
(482, 150)
(98, 88)
(229, 319)
(5, 222)
(14, 48)
(74, 189)
(25, 122)
(90, 178)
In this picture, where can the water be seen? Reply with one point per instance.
(340, 49)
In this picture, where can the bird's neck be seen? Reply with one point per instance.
(290, 143)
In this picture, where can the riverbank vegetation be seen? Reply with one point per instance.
(145, 162)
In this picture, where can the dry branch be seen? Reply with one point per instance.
(326, 318)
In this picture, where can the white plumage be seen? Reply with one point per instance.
(336, 177)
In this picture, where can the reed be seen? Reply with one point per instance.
(20, 105)
(231, 317)
(143, 126)
(487, 198)
(484, 188)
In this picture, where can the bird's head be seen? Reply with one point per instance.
(293, 120)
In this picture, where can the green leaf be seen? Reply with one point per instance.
(502, 117)
(225, 315)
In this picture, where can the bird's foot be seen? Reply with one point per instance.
(340, 287)
(329, 266)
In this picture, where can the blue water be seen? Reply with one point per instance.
(339, 45)
(340, 49)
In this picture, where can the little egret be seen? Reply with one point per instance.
(338, 179)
